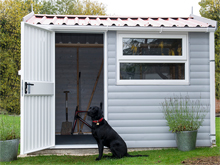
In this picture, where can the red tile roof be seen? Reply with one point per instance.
(79, 20)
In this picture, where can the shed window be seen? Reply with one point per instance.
(152, 71)
(152, 46)
(157, 59)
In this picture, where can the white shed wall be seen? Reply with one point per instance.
(135, 111)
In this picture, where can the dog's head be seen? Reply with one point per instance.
(95, 112)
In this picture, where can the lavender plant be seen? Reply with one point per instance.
(9, 127)
(184, 114)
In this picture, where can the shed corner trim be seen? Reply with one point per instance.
(27, 17)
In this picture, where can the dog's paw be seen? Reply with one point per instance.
(97, 159)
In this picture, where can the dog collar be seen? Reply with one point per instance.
(97, 121)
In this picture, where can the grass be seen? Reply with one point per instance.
(217, 128)
(164, 156)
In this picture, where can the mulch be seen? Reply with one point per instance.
(213, 160)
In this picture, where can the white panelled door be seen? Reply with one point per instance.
(37, 88)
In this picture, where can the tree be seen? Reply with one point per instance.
(48, 7)
(11, 14)
(72, 7)
(86, 7)
(65, 7)
(211, 9)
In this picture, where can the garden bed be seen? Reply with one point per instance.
(212, 160)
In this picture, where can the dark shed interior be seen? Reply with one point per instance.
(79, 70)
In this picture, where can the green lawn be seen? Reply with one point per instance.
(165, 156)
(217, 124)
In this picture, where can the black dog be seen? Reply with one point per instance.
(105, 135)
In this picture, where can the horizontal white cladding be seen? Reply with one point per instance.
(138, 116)
(135, 111)
(151, 122)
(153, 130)
(155, 95)
(155, 88)
(149, 109)
(158, 136)
(140, 143)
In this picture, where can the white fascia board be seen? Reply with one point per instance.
(205, 20)
(67, 28)
(40, 27)
(160, 29)
(76, 28)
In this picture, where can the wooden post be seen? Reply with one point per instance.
(93, 91)
(77, 65)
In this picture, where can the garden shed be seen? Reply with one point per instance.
(130, 64)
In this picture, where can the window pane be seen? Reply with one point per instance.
(152, 71)
(152, 47)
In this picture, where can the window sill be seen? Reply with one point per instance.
(153, 82)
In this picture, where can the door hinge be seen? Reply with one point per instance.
(22, 88)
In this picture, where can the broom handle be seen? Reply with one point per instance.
(66, 92)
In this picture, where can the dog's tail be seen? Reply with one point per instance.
(128, 155)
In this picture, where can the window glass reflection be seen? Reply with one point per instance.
(152, 46)
(152, 71)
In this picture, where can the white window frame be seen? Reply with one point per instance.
(152, 59)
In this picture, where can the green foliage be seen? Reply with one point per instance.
(9, 127)
(88, 7)
(164, 156)
(72, 7)
(11, 14)
(184, 114)
(161, 157)
(9, 83)
(68, 7)
(48, 7)
(211, 9)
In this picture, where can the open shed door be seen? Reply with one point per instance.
(37, 88)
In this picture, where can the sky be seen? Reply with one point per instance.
(152, 8)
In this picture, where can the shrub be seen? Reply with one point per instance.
(184, 114)
(9, 127)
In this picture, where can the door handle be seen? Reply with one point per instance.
(27, 87)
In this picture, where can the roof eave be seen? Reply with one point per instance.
(206, 20)
(122, 28)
